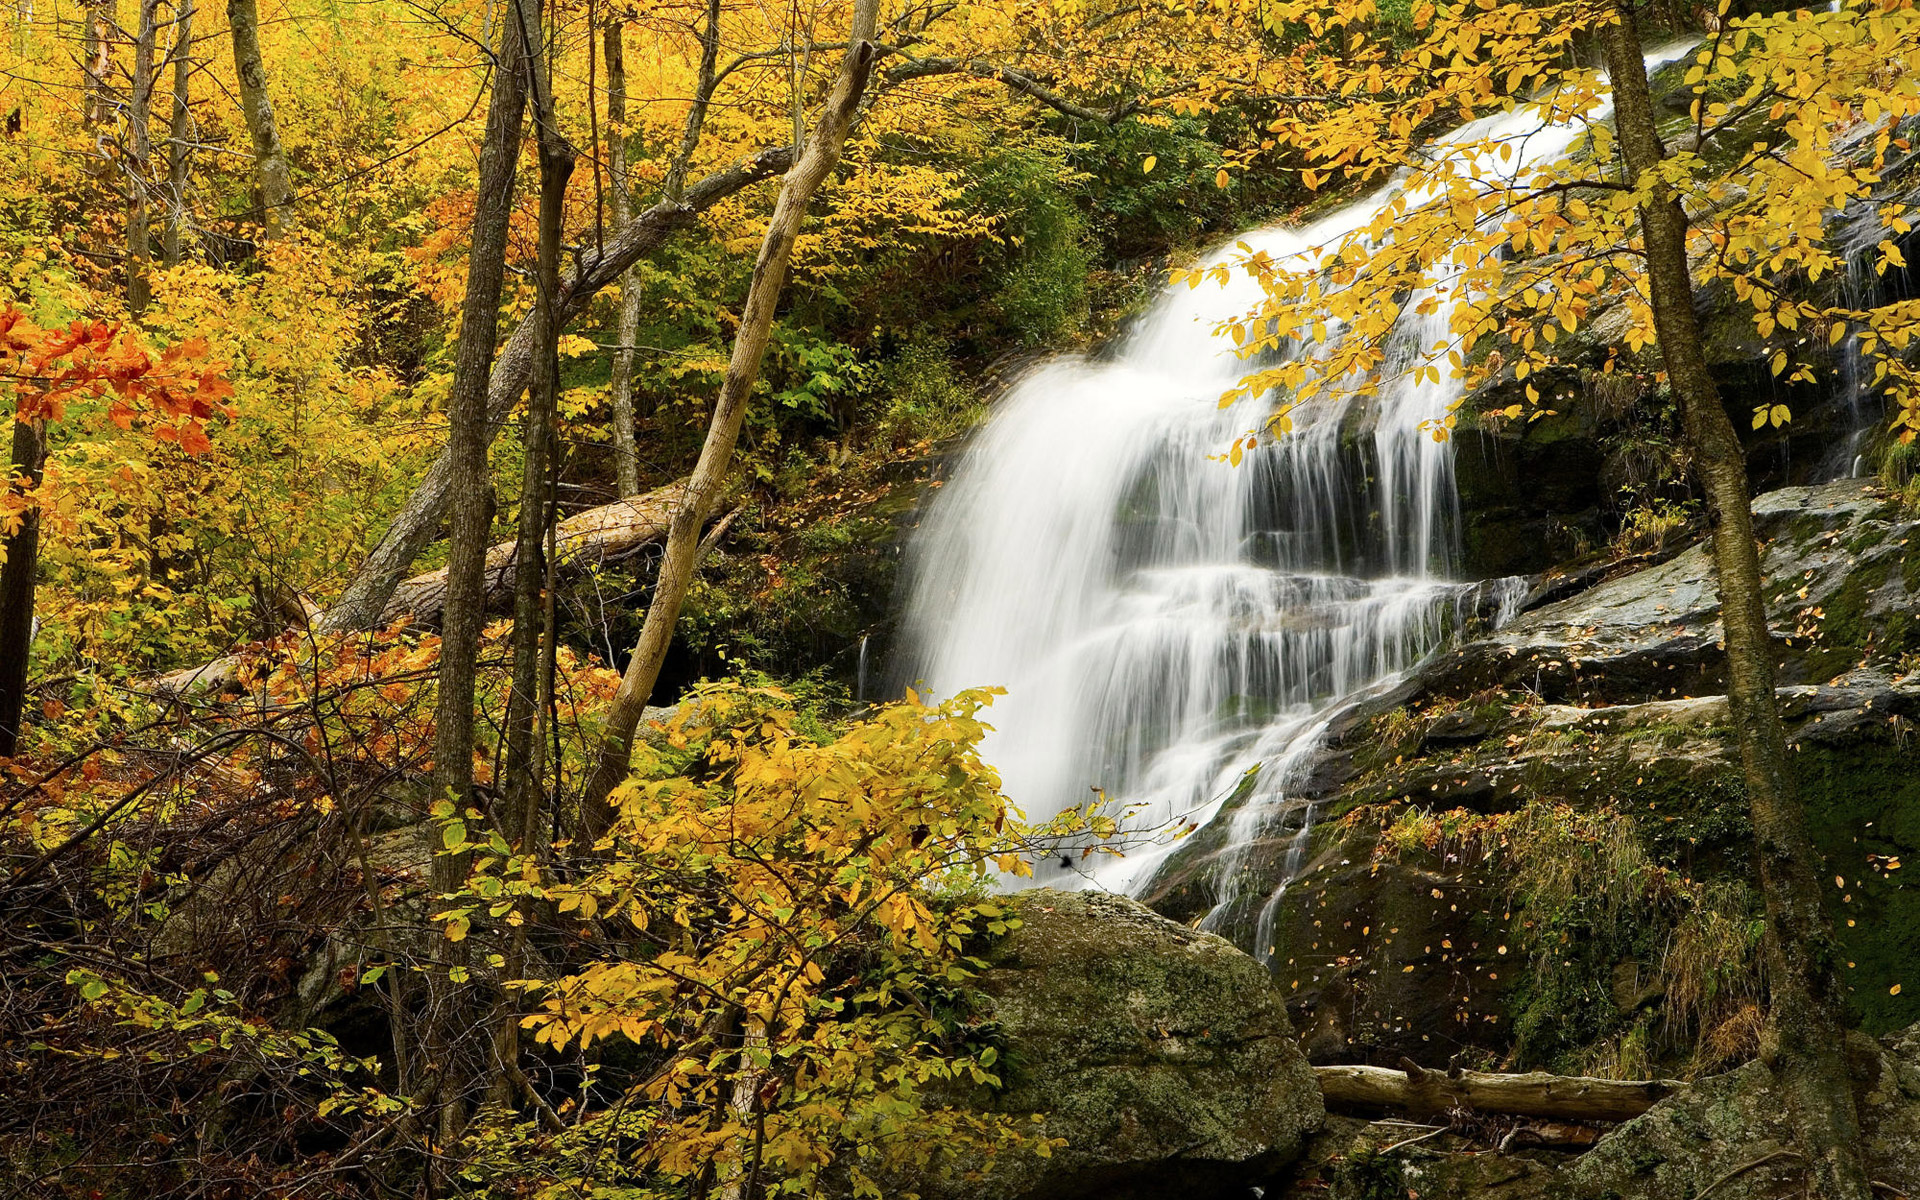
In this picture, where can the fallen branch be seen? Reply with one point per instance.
(1536, 1094)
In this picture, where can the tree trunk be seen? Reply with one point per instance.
(103, 24)
(1804, 1044)
(270, 170)
(626, 454)
(137, 155)
(1537, 1094)
(450, 1028)
(532, 633)
(412, 529)
(179, 134)
(16, 586)
(531, 574)
(749, 346)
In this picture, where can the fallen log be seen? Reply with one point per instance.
(598, 535)
(1535, 1094)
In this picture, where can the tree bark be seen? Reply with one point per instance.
(137, 156)
(469, 431)
(413, 528)
(179, 134)
(470, 518)
(1536, 1094)
(103, 23)
(1805, 1039)
(16, 587)
(820, 157)
(531, 574)
(270, 170)
(626, 455)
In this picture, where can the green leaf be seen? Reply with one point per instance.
(454, 834)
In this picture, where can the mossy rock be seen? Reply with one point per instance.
(1161, 1055)
(1729, 1132)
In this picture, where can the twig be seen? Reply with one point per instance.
(1742, 1169)
(1414, 1141)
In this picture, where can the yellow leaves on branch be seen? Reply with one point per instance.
(1804, 113)
(784, 908)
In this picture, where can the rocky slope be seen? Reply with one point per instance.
(1514, 844)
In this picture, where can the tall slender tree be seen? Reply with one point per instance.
(272, 175)
(816, 161)
(451, 1027)
(1806, 1042)
(179, 133)
(626, 454)
(136, 158)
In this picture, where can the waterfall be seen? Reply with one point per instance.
(1861, 230)
(1172, 630)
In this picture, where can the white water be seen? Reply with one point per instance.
(1167, 625)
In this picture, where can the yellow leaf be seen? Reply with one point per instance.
(1220, 180)
(1146, 168)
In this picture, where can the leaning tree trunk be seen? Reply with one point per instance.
(816, 162)
(179, 135)
(1805, 1038)
(1425, 1093)
(271, 173)
(413, 528)
(16, 586)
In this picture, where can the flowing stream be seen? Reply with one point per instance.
(1174, 631)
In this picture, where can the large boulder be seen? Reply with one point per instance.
(1161, 1055)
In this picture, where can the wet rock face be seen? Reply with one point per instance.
(1842, 587)
(1605, 698)
(1161, 1055)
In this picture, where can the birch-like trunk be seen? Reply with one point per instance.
(136, 148)
(626, 454)
(179, 134)
(820, 157)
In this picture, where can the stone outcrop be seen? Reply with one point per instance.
(1603, 695)
(1162, 1056)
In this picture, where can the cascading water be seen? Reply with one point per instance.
(1172, 630)
(1863, 404)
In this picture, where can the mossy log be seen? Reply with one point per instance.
(1534, 1094)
